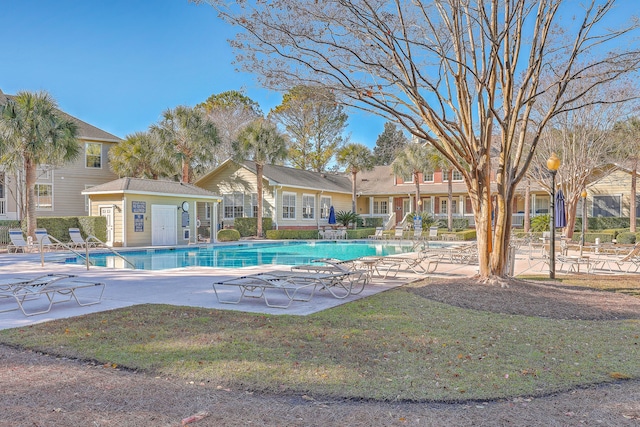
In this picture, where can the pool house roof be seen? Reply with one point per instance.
(151, 187)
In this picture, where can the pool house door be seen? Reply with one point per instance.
(107, 212)
(163, 225)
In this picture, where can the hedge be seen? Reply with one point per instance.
(248, 227)
(628, 238)
(228, 235)
(58, 227)
(292, 234)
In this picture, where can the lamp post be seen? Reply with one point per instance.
(584, 218)
(553, 163)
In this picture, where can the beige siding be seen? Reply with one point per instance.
(617, 183)
(339, 201)
(69, 182)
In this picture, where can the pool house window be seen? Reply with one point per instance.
(233, 205)
(308, 206)
(289, 205)
(380, 207)
(606, 206)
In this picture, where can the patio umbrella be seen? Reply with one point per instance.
(560, 210)
(332, 215)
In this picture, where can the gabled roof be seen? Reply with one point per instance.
(295, 178)
(291, 177)
(85, 130)
(150, 186)
(380, 181)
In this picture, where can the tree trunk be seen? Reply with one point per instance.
(527, 207)
(450, 201)
(30, 183)
(632, 209)
(571, 208)
(259, 168)
(418, 204)
(185, 170)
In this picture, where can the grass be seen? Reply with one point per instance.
(392, 346)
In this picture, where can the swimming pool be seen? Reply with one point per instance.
(244, 255)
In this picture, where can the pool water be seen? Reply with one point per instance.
(244, 255)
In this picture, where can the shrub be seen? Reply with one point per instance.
(460, 224)
(360, 233)
(58, 227)
(540, 223)
(629, 238)
(603, 223)
(228, 235)
(249, 226)
(292, 234)
(374, 222)
(345, 218)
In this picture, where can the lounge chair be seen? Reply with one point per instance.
(30, 290)
(77, 241)
(632, 258)
(433, 233)
(17, 242)
(399, 233)
(417, 234)
(44, 240)
(356, 274)
(424, 262)
(377, 235)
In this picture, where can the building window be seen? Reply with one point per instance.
(456, 176)
(380, 207)
(44, 173)
(207, 210)
(93, 154)
(308, 206)
(407, 179)
(443, 206)
(233, 205)
(289, 205)
(44, 196)
(254, 205)
(325, 206)
(607, 206)
(427, 176)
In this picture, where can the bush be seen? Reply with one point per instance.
(345, 218)
(369, 222)
(460, 224)
(249, 226)
(228, 235)
(540, 223)
(628, 238)
(360, 233)
(58, 227)
(292, 234)
(591, 237)
(603, 223)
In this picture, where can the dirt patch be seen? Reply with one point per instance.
(41, 390)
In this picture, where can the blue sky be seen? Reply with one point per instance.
(118, 64)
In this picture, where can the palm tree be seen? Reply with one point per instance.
(34, 132)
(628, 133)
(356, 158)
(412, 160)
(188, 139)
(137, 156)
(261, 142)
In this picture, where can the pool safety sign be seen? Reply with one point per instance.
(138, 223)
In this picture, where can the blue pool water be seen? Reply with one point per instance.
(243, 255)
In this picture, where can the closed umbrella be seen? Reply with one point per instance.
(332, 215)
(560, 213)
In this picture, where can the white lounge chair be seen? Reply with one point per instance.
(30, 290)
(17, 242)
(44, 241)
(77, 241)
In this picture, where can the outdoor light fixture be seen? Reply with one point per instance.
(584, 218)
(553, 163)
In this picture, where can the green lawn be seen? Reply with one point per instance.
(392, 346)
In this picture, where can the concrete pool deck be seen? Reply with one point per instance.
(188, 287)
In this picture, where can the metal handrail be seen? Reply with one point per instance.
(86, 257)
(113, 251)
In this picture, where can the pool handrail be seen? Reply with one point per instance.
(113, 251)
(85, 257)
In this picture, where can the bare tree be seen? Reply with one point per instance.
(627, 134)
(230, 112)
(451, 72)
(584, 142)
